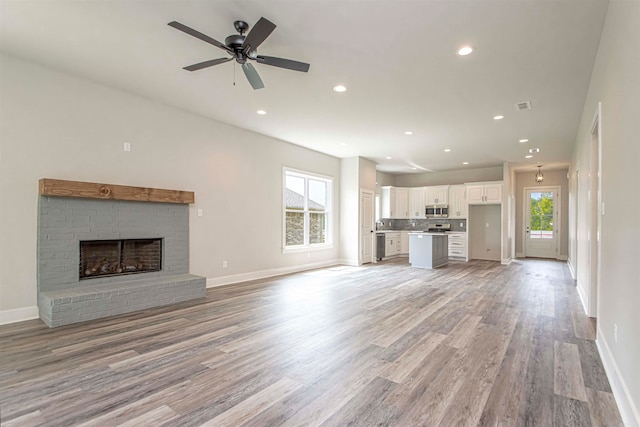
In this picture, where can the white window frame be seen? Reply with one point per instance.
(328, 244)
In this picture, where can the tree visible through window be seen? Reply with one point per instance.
(306, 205)
(541, 215)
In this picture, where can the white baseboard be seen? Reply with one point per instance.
(571, 269)
(254, 275)
(18, 315)
(506, 261)
(626, 406)
(583, 298)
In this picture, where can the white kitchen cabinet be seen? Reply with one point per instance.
(392, 244)
(404, 242)
(484, 194)
(417, 203)
(437, 195)
(458, 201)
(394, 202)
(457, 245)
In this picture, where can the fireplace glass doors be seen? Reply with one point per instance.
(99, 258)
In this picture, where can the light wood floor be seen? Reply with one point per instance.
(469, 344)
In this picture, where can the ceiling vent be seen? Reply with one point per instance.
(521, 106)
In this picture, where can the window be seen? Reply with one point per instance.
(541, 215)
(307, 205)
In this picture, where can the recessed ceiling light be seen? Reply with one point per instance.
(498, 117)
(465, 50)
(343, 144)
(389, 157)
(523, 140)
(261, 112)
(339, 88)
(447, 150)
(528, 156)
(408, 132)
(465, 163)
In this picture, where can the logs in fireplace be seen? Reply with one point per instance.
(99, 258)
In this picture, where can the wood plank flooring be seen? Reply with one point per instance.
(469, 344)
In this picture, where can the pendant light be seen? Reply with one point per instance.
(539, 176)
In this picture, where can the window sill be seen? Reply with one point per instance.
(310, 248)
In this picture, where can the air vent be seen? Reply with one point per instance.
(534, 150)
(520, 106)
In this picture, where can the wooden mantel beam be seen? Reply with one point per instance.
(92, 190)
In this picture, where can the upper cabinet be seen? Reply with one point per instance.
(457, 201)
(484, 194)
(394, 202)
(438, 195)
(417, 203)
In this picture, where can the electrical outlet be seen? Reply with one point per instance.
(615, 332)
(200, 212)
(224, 264)
(127, 146)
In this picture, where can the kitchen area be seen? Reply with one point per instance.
(431, 224)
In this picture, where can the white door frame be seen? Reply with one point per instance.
(557, 222)
(372, 227)
(597, 210)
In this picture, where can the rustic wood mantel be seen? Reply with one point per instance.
(92, 190)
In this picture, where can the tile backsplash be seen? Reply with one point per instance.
(420, 224)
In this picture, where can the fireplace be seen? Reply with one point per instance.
(95, 241)
(100, 258)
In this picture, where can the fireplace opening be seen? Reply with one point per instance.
(99, 258)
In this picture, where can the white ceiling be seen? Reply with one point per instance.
(397, 58)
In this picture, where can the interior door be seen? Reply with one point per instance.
(367, 226)
(541, 211)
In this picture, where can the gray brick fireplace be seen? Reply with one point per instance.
(64, 222)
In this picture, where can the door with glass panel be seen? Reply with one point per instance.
(541, 222)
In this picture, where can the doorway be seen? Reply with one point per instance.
(541, 221)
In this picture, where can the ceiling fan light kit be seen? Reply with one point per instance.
(243, 48)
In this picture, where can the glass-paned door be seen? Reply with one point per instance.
(541, 228)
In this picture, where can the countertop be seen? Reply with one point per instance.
(427, 233)
(420, 231)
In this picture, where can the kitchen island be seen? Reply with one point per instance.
(428, 250)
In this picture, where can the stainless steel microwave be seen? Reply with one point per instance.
(437, 211)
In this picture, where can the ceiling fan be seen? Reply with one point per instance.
(243, 48)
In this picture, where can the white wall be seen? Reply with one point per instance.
(350, 199)
(357, 174)
(55, 125)
(484, 227)
(615, 82)
(459, 176)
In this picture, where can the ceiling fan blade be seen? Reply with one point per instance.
(283, 63)
(199, 35)
(258, 34)
(206, 64)
(252, 75)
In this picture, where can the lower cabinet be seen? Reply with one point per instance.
(404, 242)
(458, 245)
(392, 244)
